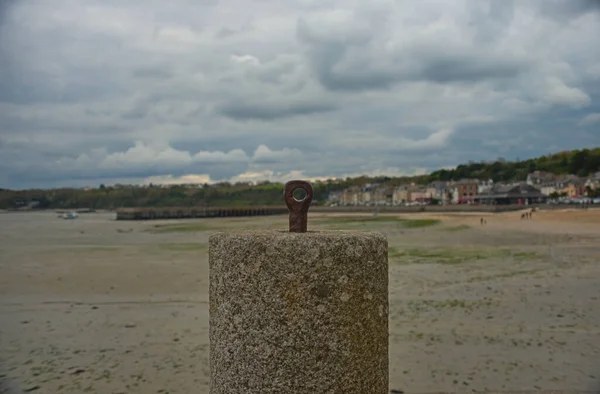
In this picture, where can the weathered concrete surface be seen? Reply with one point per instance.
(298, 312)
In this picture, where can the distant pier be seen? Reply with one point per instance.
(195, 212)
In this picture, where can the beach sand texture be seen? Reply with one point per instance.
(98, 306)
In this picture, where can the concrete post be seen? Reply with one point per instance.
(298, 312)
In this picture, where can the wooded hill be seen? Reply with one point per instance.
(579, 162)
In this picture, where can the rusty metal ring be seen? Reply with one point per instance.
(298, 208)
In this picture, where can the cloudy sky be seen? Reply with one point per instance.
(138, 91)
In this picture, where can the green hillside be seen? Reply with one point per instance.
(577, 162)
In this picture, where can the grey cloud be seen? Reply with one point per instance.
(22, 85)
(565, 10)
(324, 53)
(470, 68)
(274, 73)
(138, 112)
(388, 87)
(266, 112)
(225, 32)
(591, 119)
(152, 73)
(34, 69)
(490, 19)
(356, 80)
(351, 65)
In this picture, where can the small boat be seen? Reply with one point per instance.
(70, 215)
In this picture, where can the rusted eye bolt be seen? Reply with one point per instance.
(298, 205)
(299, 194)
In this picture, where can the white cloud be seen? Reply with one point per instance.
(246, 60)
(233, 156)
(273, 176)
(144, 154)
(177, 180)
(390, 171)
(436, 140)
(263, 154)
(433, 141)
(167, 164)
(556, 92)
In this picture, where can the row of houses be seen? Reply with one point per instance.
(538, 186)
(379, 194)
(567, 185)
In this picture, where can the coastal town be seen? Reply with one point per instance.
(568, 177)
(539, 187)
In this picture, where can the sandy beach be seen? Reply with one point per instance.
(96, 305)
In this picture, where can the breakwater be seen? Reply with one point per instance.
(195, 212)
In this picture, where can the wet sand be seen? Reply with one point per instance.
(98, 306)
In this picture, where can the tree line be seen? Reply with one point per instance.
(579, 162)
